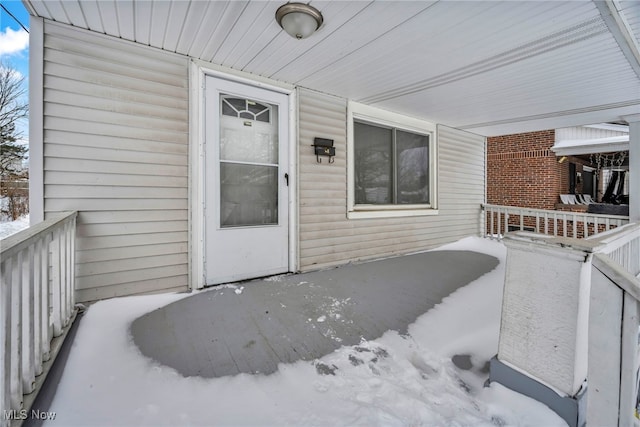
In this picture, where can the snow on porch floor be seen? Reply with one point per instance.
(255, 326)
(393, 380)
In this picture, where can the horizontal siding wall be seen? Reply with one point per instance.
(328, 238)
(116, 150)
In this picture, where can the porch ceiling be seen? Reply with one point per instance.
(487, 67)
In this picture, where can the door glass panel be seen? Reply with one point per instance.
(245, 108)
(248, 162)
(250, 144)
(248, 131)
(248, 195)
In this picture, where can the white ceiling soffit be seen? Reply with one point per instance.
(578, 147)
(488, 67)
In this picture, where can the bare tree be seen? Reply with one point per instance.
(13, 107)
(13, 179)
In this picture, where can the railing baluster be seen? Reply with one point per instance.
(521, 221)
(585, 226)
(37, 304)
(506, 222)
(56, 283)
(5, 334)
(16, 332)
(68, 274)
(63, 277)
(546, 223)
(72, 265)
(538, 226)
(491, 220)
(28, 337)
(47, 329)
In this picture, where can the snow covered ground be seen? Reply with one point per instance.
(391, 381)
(12, 227)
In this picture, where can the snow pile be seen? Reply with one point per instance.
(12, 227)
(394, 380)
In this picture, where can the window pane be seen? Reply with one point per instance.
(412, 154)
(248, 195)
(373, 168)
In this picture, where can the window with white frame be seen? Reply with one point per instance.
(392, 166)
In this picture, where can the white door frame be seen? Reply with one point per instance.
(197, 72)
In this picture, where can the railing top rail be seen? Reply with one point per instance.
(605, 242)
(611, 240)
(618, 275)
(13, 244)
(551, 211)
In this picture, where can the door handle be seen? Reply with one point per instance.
(286, 177)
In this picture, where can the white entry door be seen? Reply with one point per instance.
(246, 181)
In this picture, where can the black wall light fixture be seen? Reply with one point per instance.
(324, 147)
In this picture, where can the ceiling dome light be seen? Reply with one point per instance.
(299, 20)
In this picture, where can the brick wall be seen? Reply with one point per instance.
(523, 171)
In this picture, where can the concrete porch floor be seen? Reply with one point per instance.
(253, 326)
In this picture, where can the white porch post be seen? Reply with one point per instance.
(634, 167)
(543, 345)
(36, 120)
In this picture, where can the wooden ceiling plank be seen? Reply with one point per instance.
(92, 15)
(142, 21)
(175, 25)
(125, 12)
(193, 23)
(109, 17)
(74, 13)
(230, 15)
(207, 28)
(245, 28)
(57, 11)
(159, 21)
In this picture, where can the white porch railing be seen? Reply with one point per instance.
(622, 246)
(37, 273)
(498, 220)
(616, 294)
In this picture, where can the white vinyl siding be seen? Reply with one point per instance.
(328, 238)
(116, 150)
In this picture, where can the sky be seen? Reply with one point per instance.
(14, 44)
